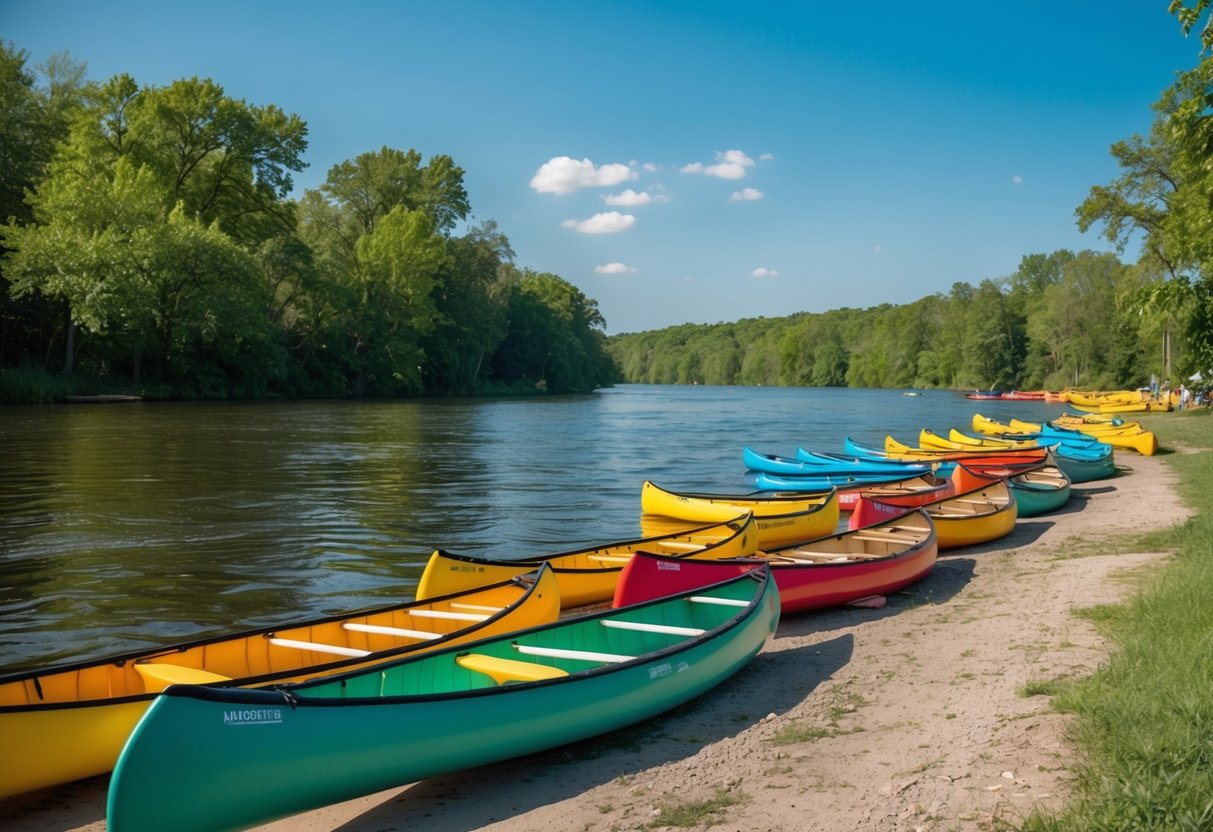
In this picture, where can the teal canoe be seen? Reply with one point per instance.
(204, 759)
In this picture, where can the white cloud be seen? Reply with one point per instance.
(650, 167)
(628, 197)
(763, 272)
(610, 222)
(563, 175)
(746, 195)
(614, 268)
(1017, 179)
(767, 157)
(731, 164)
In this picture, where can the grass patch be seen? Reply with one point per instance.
(698, 812)
(1144, 720)
(1044, 687)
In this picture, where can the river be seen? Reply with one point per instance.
(131, 525)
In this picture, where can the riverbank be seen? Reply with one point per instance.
(915, 716)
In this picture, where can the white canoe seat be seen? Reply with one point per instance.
(609, 558)
(452, 616)
(318, 647)
(676, 545)
(455, 605)
(720, 602)
(579, 655)
(503, 671)
(640, 626)
(399, 632)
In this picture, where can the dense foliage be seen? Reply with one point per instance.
(1062, 319)
(150, 244)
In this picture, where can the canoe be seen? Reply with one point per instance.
(1129, 435)
(976, 516)
(898, 450)
(780, 520)
(588, 576)
(70, 721)
(827, 572)
(820, 465)
(1081, 467)
(1084, 449)
(908, 493)
(257, 755)
(843, 482)
(832, 460)
(1037, 491)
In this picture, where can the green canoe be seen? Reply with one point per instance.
(208, 758)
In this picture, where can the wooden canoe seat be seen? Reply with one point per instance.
(318, 647)
(504, 671)
(452, 616)
(720, 602)
(399, 632)
(880, 537)
(579, 655)
(157, 677)
(609, 558)
(667, 629)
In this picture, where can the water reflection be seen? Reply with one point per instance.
(131, 525)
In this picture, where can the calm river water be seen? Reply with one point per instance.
(129, 525)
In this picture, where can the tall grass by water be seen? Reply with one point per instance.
(1143, 730)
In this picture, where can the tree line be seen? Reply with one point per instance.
(150, 242)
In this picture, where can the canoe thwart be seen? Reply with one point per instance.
(722, 602)
(503, 671)
(452, 616)
(399, 632)
(157, 677)
(318, 647)
(579, 655)
(668, 629)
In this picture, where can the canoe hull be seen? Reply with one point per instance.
(883, 559)
(967, 519)
(779, 520)
(259, 755)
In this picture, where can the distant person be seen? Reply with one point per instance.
(1184, 396)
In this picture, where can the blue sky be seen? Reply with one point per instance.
(695, 162)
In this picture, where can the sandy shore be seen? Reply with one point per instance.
(901, 718)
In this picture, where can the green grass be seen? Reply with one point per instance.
(698, 812)
(1143, 731)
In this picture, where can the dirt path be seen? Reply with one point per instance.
(901, 718)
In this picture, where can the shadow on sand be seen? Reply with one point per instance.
(773, 682)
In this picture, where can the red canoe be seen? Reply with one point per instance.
(910, 493)
(826, 572)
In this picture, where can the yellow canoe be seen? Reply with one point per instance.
(67, 722)
(976, 516)
(781, 520)
(1129, 435)
(588, 576)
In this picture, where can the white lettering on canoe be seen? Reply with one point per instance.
(253, 716)
(662, 566)
(660, 670)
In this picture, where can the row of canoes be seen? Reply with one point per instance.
(1092, 401)
(481, 666)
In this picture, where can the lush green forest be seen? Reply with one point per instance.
(1062, 319)
(150, 246)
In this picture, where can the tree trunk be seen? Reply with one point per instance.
(69, 351)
